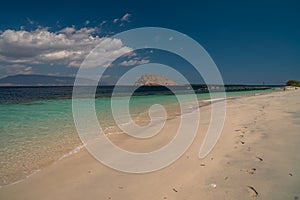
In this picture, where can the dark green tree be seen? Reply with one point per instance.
(293, 83)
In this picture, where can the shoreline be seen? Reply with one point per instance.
(60, 166)
(112, 130)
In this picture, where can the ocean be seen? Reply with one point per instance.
(37, 127)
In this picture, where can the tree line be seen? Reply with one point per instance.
(294, 83)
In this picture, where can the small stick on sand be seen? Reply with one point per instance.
(260, 159)
(252, 191)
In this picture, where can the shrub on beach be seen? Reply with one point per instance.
(294, 83)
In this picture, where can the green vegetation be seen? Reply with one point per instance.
(293, 83)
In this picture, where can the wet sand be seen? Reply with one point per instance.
(256, 157)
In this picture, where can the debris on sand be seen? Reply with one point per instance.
(259, 158)
(252, 191)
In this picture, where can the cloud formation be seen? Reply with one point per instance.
(126, 17)
(134, 62)
(68, 46)
(123, 19)
(16, 69)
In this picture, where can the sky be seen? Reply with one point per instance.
(255, 42)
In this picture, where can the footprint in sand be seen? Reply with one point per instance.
(251, 171)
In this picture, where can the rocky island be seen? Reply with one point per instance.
(154, 80)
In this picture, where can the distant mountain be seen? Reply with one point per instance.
(154, 80)
(40, 80)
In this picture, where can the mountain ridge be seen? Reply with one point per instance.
(40, 80)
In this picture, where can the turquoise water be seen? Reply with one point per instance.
(35, 134)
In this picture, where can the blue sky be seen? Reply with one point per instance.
(251, 42)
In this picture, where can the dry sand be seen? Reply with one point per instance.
(256, 157)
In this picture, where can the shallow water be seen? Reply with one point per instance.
(38, 129)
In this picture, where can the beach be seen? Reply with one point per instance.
(256, 157)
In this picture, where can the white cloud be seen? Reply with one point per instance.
(86, 22)
(68, 46)
(68, 30)
(106, 52)
(31, 22)
(126, 17)
(102, 23)
(134, 62)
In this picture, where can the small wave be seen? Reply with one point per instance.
(213, 100)
(21, 180)
(126, 123)
(76, 150)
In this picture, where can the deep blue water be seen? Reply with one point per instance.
(35, 93)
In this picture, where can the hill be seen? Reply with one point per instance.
(154, 80)
(39, 80)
